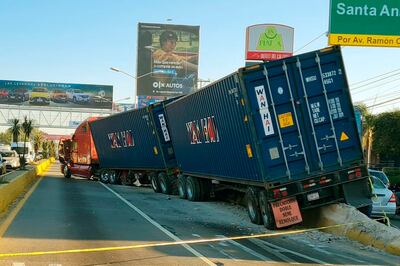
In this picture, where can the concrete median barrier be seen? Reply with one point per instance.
(13, 188)
(357, 226)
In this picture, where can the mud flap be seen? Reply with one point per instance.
(358, 193)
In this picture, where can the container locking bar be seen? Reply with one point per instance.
(317, 59)
(276, 120)
(320, 163)
(303, 152)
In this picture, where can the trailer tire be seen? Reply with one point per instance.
(104, 177)
(165, 183)
(154, 182)
(253, 207)
(193, 189)
(67, 172)
(113, 177)
(182, 187)
(266, 212)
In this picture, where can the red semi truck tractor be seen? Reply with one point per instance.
(78, 155)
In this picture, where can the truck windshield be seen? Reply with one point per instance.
(20, 150)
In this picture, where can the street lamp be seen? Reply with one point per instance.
(132, 76)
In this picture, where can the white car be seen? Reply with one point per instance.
(11, 159)
(78, 96)
(384, 200)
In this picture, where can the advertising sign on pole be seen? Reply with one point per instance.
(365, 23)
(68, 95)
(167, 61)
(269, 42)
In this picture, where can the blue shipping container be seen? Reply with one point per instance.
(275, 122)
(136, 139)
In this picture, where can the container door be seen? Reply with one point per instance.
(303, 115)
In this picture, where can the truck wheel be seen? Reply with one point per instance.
(165, 183)
(113, 177)
(182, 186)
(104, 178)
(253, 208)
(154, 182)
(67, 172)
(205, 187)
(266, 212)
(193, 189)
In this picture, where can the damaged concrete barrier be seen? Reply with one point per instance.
(357, 226)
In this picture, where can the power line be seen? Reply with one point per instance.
(391, 94)
(379, 85)
(387, 104)
(362, 81)
(313, 40)
(395, 99)
(372, 82)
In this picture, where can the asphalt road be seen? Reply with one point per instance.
(64, 214)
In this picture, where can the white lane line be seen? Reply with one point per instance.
(18, 264)
(248, 250)
(165, 231)
(296, 253)
(275, 252)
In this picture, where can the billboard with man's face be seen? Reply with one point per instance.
(30, 93)
(167, 62)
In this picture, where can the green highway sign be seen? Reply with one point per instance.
(365, 23)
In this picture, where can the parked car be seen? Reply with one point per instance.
(18, 95)
(3, 169)
(380, 175)
(59, 96)
(40, 96)
(78, 96)
(11, 159)
(3, 94)
(384, 200)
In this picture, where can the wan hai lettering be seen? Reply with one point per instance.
(202, 131)
(121, 139)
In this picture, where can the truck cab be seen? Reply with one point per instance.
(78, 155)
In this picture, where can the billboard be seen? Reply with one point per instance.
(29, 93)
(269, 42)
(167, 61)
(365, 23)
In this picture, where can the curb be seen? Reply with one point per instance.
(359, 227)
(10, 191)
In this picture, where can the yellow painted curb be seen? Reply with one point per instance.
(10, 191)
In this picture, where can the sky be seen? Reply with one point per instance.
(73, 41)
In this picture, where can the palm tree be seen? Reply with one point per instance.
(37, 140)
(15, 129)
(27, 129)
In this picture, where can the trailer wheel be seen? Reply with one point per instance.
(104, 177)
(154, 182)
(67, 172)
(193, 189)
(113, 177)
(266, 212)
(182, 186)
(205, 187)
(253, 208)
(165, 183)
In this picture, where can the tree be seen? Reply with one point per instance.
(15, 129)
(37, 140)
(27, 129)
(52, 149)
(6, 137)
(45, 151)
(387, 135)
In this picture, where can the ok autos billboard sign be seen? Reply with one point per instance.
(269, 42)
(365, 23)
(167, 61)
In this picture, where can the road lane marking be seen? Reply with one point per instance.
(15, 211)
(276, 253)
(248, 250)
(282, 249)
(18, 264)
(165, 231)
